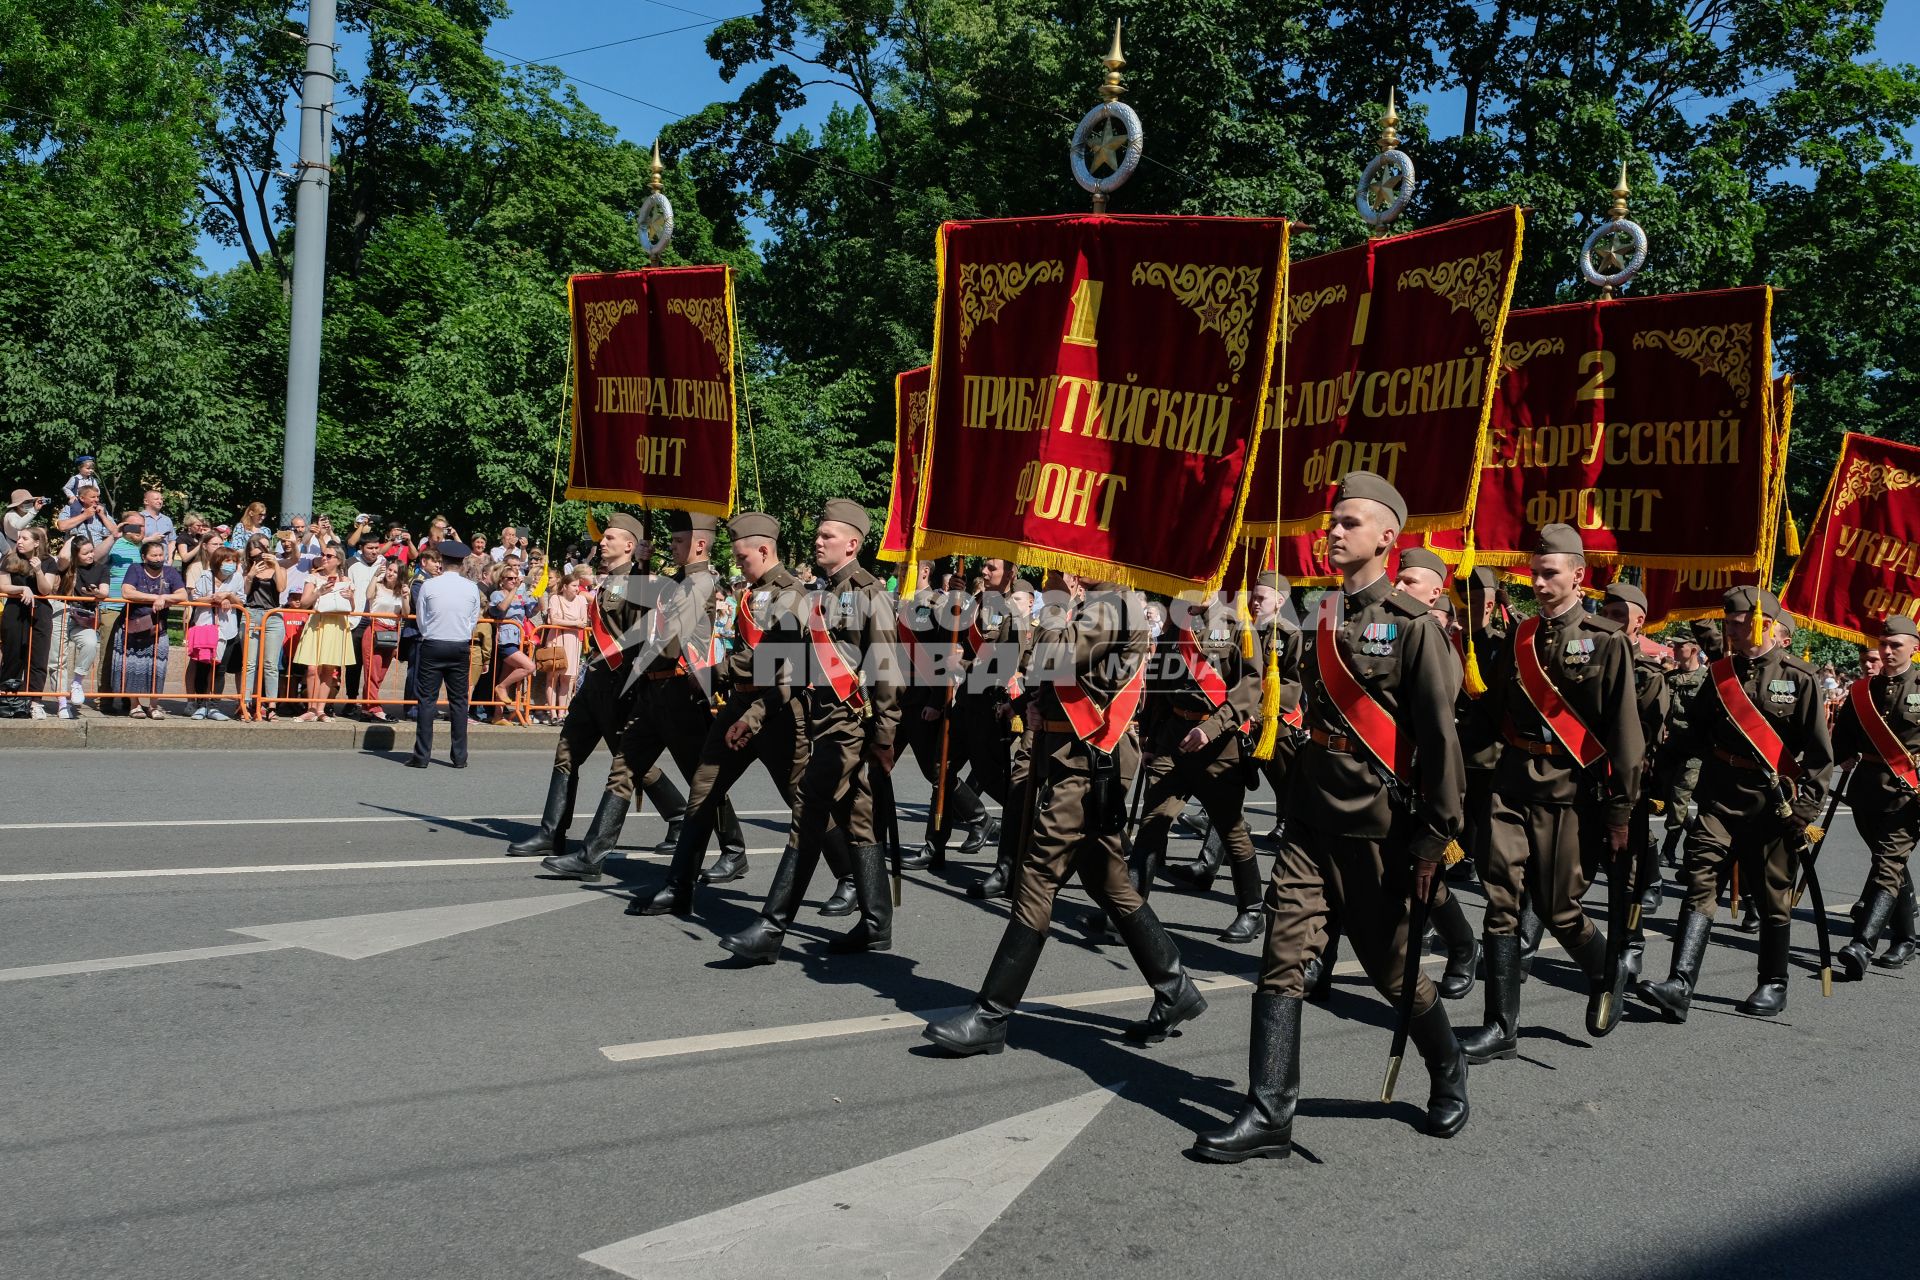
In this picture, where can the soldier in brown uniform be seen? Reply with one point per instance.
(981, 735)
(1088, 670)
(601, 708)
(762, 718)
(1760, 731)
(1203, 694)
(1007, 667)
(854, 668)
(1375, 802)
(1626, 605)
(673, 698)
(933, 630)
(1562, 700)
(1879, 727)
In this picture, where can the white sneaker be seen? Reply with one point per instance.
(199, 713)
(37, 712)
(78, 694)
(68, 713)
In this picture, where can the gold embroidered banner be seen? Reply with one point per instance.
(912, 395)
(1642, 422)
(653, 388)
(1098, 384)
(1861, 560)
(1389, 366)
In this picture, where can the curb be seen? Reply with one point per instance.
(179, 732)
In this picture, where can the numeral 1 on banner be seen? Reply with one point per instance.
(1086, 314)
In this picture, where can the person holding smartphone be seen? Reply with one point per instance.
(77, 636)
(326, 642)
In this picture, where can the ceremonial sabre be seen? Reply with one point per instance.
(1420, 912)
(1811, 845)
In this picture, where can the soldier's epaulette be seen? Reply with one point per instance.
(1599, 623)
(1789, 658)
(860, 579)
(1403, 604)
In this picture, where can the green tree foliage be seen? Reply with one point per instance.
(1763, 145)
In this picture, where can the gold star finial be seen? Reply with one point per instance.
(653, 184)
(1389, 133)
(1115, 62)
(1619, 209)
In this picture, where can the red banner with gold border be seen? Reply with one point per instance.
(1641, 422)
(653, 388)
(1860, 563)
(912, 393)
(1388, 366)
(1098, 386)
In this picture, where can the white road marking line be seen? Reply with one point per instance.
(345, 937)
(138, 962)
(430, 819)
(39, 877)
(907, 1217)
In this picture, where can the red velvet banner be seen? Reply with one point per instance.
(1641, 422)
(1388, 367)
(1860, 563)
(1681, 595)
(1098, 385)
(911, 395)
(653, 388)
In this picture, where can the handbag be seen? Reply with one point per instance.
(203, 642)
(386, 641)
(550, 660)
(139, 621)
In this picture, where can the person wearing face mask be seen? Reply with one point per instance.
(1877, 732)
(150, 589)
(217, 596)
(78, 646)
(1761, 735)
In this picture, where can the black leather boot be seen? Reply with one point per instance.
(1769, 998)
(1606, 982)
(1749, 915)
(1635, 956)
(982, 1027)
(1247, 892)
(1675, 996)
(967, 814)
(1199, 874)
(875, 930)
(1264, 1126)
(760, 941)
(1318, 974)
(1446, 1071)
(551, 838)
(669, 804)
(996, 883)
(1175, 998)
(1530, 929)
(676, 895)
(1463, 949)
(1499, 1036)
(731, 865)
(841, 901)
(1648, 872)
(601, 834)
(1670, 849)
(1858, 954)
(1900, 951)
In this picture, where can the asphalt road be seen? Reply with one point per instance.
(426, 1094)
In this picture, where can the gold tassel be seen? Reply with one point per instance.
(1474, 682)
(1453, 854)
(1759, 625)
(1245, 614)
(593, 530)
(1793, 532)
(1269, 707)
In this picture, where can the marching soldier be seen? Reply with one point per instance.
(983, 707)
(1374, 805)
(1011, 651)
(931, 631)
(599, 712)
(1761, 734)
(1089, 668)
(1562, 698)
(1626, 606)
(1879, 727)
(1272, 631)
(762, 718)
(1482, 749)
(1202, 695)
(1679, 777)
(854, 670)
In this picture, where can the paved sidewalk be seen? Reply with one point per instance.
(177, 730)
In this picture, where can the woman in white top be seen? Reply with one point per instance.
(386, 600)
(326, 642)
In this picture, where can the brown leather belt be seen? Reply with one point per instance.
(662, 675)
(1738, 760)
(1195, 716)
(1335, 741)
(1056, 726)
(1535, 747)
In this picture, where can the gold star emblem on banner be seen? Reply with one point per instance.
(1103, 150)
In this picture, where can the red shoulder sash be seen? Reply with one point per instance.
(1887, 744)
(1753, 726)
(1102, 728)
(1209, 680)
(1370, 722)
(843, 679)
(1539, 688)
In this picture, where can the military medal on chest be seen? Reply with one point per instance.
(1376, 638)
(1781, 691)
(1579, 651)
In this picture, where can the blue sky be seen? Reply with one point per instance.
(662, 58)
